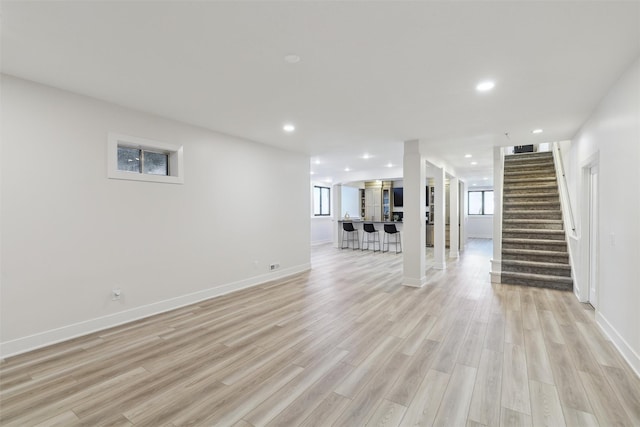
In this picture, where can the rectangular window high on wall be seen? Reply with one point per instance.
(321, 201)
(137, 159)
(480, 202)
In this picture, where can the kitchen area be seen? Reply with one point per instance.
(382, 201)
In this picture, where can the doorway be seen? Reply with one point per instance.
(594, 238)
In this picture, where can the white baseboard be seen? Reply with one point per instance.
(414, 282)
(321, 242)
(53, 336)
(440, 266)
(619, 342)
(496, 271)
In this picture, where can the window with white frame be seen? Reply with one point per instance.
(480, 202)
(321, 201)
(140, 159)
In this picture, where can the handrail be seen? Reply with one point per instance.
(564, 188)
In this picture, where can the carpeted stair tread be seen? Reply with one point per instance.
(534, 203)
(550, 196)
(530, 180)
(532, 221)
(538, 280)
(534, 241)
(537, 163)
(532, 214)
(534, 252)
(533, 211)
(544, 191)
(548, 231)
(515, 186)
(540, 277)
(552, 265)
(524, 226)
(538, 173)
(528, 157)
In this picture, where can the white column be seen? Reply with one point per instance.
(498, 169)
(336, 205)
(454, 218)
(439, 220)
(413, 223)
(463, 215)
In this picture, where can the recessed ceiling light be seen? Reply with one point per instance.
(485, 179)
(467, 155)
(389, 165)
(311, 173)
(366, 156)
(536, 131)
(288, 127)
(292, 59)
(485, 86)
(317, 162)
(474, 163)
(474, 184)
(347, 169)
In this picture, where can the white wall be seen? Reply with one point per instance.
(350, 201)
(69, 234)
(479, 226)
(321, 226)
(612, 135)
(321, 230)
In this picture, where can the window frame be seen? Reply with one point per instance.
(175, 154)
(320, 208)
(483, 202)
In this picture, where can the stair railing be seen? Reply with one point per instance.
(565, 201)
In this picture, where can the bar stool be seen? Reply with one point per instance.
(391, 230)
(351, 236)
(370, 229)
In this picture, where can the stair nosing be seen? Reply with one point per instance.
(533, 241)
(532, 230)
(531, 195)
(541, 277)
(532, 220)
(537, 264)
(533, 252)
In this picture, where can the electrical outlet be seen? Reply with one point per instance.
(274, 266)
(116, 293)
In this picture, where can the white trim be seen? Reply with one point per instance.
(582, 230)
(619, 342)
(496, 271)
(53, 336)
(176, 162)
(414, 283)
(440, 266)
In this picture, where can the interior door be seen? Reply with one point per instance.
(594, 238)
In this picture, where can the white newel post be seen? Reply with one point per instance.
(498, 169)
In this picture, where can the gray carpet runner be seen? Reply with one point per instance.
(534, 246)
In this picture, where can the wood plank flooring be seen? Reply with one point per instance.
(346, 345)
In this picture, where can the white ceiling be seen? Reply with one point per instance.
(372, 74)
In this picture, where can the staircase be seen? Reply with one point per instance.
(534, 247)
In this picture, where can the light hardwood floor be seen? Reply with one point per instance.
(344, 344)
